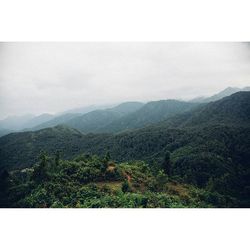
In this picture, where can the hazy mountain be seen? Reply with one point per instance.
(69, 118)
(56, 121)
(38, 120)
(84, 110)
(127, 107)
(148, 114)
(4, 132)
(224, 93)
(214, 126)
(232, 110)
(16, 122)
(95, 120)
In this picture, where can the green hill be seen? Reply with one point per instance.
(233, 110)
(56, 121)
(209, 146)
(149, 114)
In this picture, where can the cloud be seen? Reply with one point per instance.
(52, 77)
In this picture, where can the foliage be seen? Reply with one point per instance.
(82, 183)
(197, 159)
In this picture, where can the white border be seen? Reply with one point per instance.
(130, 20)
(119, 20)
(124, 229)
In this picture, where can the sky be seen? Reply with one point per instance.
(51, 77)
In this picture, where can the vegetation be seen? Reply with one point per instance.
(200, 158)
(91, 181)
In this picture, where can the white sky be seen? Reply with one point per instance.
(53, 77)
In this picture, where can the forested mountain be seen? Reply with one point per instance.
(127, 107)
(95, 182)
(233, 110)
(38, 120)
(4, 131)
(225, 115)
(150, 113)
(64, 118)
(207, 147)
(224, 93)
(92, 120)
(86, 109)
(15, 122)
(95, 120)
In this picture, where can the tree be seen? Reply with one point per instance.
(105, 161)
(40, 171)
(126, 187)
(167, 164)
(4, 187)
(57, 158)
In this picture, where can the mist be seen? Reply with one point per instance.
(52, 77)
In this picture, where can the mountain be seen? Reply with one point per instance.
(204, 126)
(56, 121)
(95, 120)
(90, 121)
(38, 120)
(233, 110)
(84, 110)
(5, 132)
(207, 147)
(148, 114)
(15, 122)
(28, 145)
(127, 107)
(224, 93)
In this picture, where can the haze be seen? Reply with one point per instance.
(53, 77)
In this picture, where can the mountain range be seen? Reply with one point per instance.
(200, 147)
(109, 118)
(228, 114)
(226, 92)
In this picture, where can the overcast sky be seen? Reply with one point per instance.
(53, 77)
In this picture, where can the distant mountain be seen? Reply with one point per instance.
(224, 93)
(232, 110)
(86, 109)
(4, 132)
(208, 146)
(91, 121)
(127, 107)
(16, 122)
(38, 120)
(95, 120)
(221, 127)
(148, 114)
(61, 119)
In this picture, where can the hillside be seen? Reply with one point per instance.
(210, 148)
(56, 121)
(15, 122)
(229, 115)
(213, 159)
(94, 182)
(149, 114)
(224, 93)
(38, 120)
(5, 132)
(92, 120)
(233, 110)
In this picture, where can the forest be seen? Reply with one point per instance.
(198, 157)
